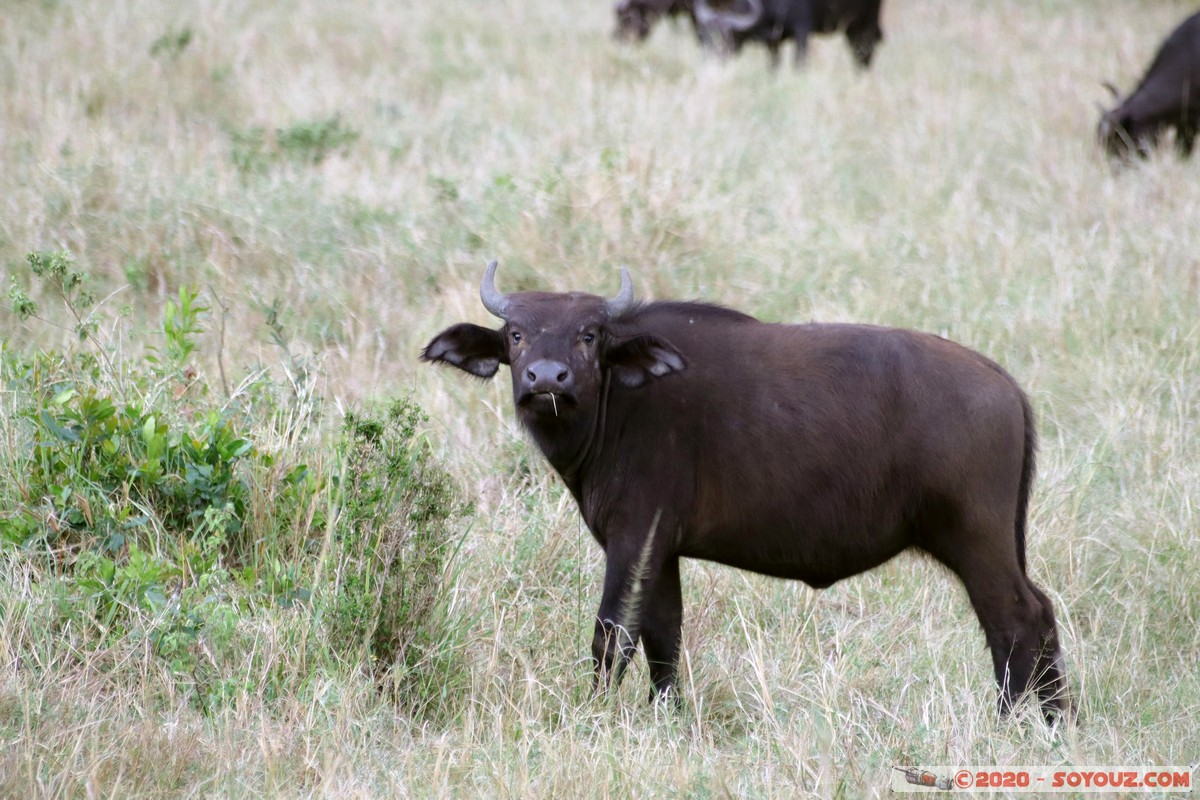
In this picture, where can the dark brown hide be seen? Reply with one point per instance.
(809, 452)
(773, 22)
(1169, 96)
(636, 18)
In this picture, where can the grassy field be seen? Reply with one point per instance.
(330, 180)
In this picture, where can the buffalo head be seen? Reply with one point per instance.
(636, 18)
(1119, 136)
(1121, 133)
(560, 348)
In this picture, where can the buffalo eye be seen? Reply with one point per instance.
(589, 338)
(516, 337)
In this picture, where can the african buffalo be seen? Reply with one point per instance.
(772, 22)
(1169, 96)
(810, 452)
(635, 18)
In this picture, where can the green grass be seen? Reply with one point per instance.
(332, 178)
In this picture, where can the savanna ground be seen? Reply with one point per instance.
(206, 588)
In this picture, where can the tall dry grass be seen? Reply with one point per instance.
(954, 188)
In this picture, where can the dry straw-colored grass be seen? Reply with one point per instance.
(954, 188)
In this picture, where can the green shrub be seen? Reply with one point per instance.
(312, 140)
(156, 518)
(396, 537)
(306, 142)
(172, 43)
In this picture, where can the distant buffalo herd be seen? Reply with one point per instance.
(1168, 96)
(727, 27)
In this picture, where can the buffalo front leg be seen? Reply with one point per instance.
(632, 578)
(800, 28)
(662, 620)
(773, 50)
(800, 36)
(1185, 137)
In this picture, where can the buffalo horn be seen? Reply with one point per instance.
(493, 301)
(705, 16)
(741, 23)
(624, 299)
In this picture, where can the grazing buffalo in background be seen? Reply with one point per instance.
(635, 18)
(1169, 96)
(810, 452)
(774, 21)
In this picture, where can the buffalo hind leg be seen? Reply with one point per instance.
(1018, 622)
(1016, 616)
(1050, 678)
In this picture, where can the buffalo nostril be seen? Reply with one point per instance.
(547, 375)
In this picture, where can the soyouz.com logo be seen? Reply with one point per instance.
(1043, 779)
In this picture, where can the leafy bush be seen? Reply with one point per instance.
(395, 535)
(311, 141)
(172, 43)
(157, 517)
(305, 142)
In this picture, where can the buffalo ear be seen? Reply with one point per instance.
(640, 359)
(472, 348)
